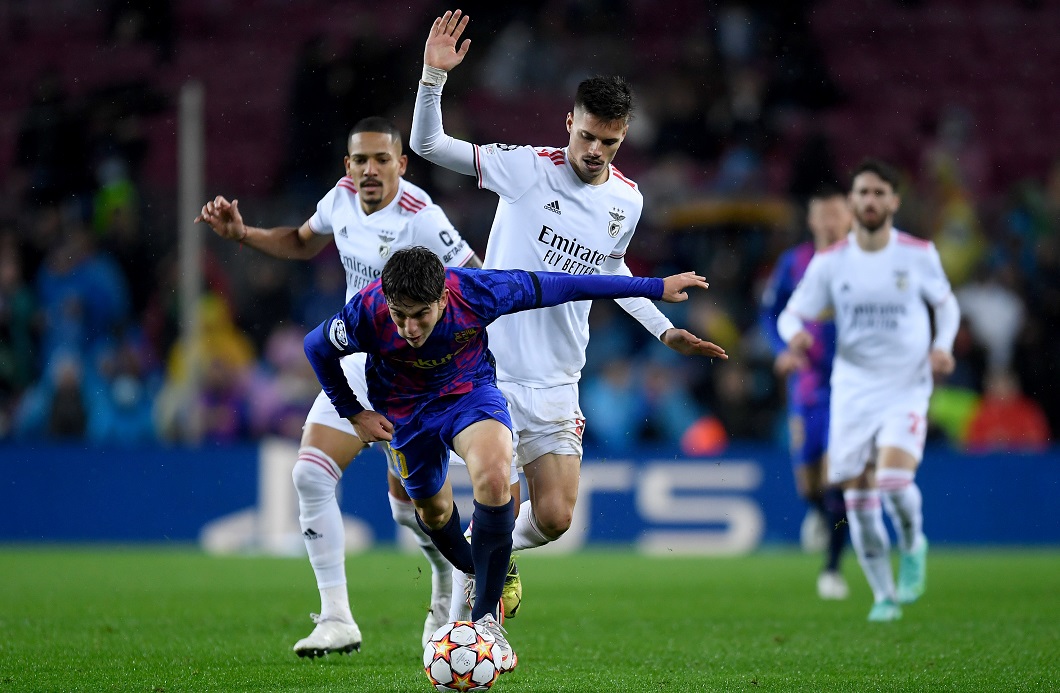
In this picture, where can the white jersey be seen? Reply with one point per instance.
(882, 322)
(548, 220)
(365, 241)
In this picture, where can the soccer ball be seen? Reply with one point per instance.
(460, 657)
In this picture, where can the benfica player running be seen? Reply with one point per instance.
(560, 209)
(879, 283)
(432, 382)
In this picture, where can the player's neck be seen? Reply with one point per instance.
(871, 241)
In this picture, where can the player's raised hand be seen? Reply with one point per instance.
(684, 342)
(674, 286)
(441, 50)
(372, 427)
(224, 218)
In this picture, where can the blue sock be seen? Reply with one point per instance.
(839, 529)
(491, 548)
(451, 542)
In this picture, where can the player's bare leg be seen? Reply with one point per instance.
(324, 454)
(552, 484)
(896, 478)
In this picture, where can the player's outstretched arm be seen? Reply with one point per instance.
(284, 242)
(441, 51)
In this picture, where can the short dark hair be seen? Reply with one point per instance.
(826, 191)
(886, 172)
(375, 124)
(413, 275)
(607, 98)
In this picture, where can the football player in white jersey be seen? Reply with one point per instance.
(560, 209)
(370, 213)
(878, 283)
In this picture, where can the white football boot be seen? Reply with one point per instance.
(329, 636)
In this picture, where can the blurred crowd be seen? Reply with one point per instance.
(726, 146)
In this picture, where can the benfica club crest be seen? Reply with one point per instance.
(384, 247)
(614, 227)
(901, 279)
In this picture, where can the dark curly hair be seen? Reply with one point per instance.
(413, 275)
(607, 98)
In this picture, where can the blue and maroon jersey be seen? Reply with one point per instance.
(808, 387)
(455, 359)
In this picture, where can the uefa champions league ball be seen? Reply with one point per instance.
(460, 657)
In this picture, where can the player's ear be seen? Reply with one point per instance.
(570, 122)
(444, 300)
(403, 163)
(346, 165)
(897, 201)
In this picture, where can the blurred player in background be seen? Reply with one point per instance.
(433, 383)
(879, 282)
(562, 210)
(370, 213)
(829, 220)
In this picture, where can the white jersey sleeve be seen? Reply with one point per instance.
(812, 298)
(507, 169)
(936, 286)
(642, 310)
(433, 230)
(321, 221)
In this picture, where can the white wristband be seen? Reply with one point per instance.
(433, 76)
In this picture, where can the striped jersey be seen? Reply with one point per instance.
(455, 357)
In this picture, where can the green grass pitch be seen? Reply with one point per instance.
(167, 620)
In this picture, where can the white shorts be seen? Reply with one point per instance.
(546, 420)
(855, 437)
(323, 411)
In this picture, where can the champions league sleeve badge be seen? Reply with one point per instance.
(614, 227)
(337, 334)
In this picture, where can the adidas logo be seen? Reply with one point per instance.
(310, 535)
(553, 207)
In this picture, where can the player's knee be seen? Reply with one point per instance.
(315, 474)
(554, 519)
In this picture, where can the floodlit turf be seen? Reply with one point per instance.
(174, 620)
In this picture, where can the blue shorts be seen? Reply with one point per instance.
(422, 461)
(808, 430)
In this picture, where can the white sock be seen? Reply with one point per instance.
(315, 477)
(527, 535)
(904, 504)
(404, 513)
(870, 540)
(458, 609)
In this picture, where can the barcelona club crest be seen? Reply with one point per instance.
(614, 227)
